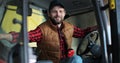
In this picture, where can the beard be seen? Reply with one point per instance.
(55, 22)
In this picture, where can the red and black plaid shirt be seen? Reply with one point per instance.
(36, 36)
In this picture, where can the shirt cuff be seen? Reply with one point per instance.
(15, 36)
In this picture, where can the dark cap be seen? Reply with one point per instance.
(55, 3)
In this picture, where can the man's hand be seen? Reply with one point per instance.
(94, 28)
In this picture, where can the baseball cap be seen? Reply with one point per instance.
(55, 3)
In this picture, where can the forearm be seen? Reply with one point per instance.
(79, 33)
(6, 37)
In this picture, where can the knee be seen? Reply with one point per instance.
(77, 59)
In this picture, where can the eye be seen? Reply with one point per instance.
(53, 11)
(61, 11)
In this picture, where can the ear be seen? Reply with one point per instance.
(48, 13)
(45, 12)
(66, 16)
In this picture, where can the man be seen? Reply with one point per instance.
(54, 37)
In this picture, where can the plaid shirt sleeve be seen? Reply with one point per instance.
(80, 33)
(34, 35)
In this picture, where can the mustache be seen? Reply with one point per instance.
(57, 17)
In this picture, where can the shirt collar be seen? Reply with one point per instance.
(55, 26)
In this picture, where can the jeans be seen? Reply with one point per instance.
(74, 59)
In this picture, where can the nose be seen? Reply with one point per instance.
(58, 13)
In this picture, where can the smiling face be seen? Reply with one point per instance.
(57, 14)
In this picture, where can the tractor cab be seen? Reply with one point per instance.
(100, 46)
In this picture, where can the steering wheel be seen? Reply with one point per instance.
(88, 43)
